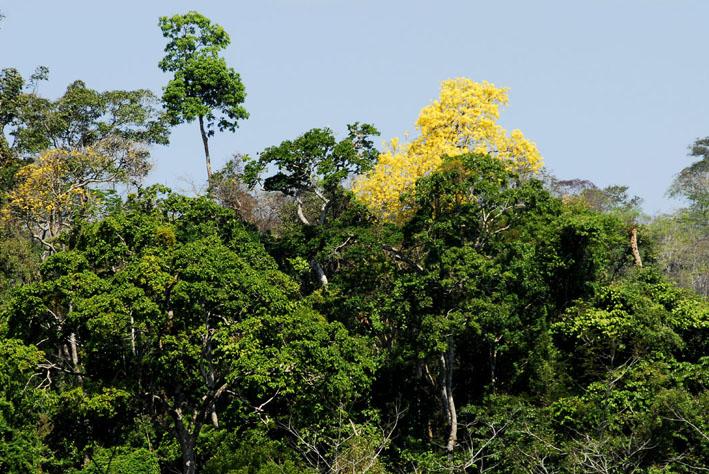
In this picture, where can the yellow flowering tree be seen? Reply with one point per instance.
(462, 120)
(60, 183)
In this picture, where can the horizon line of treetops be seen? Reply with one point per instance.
(444, 305)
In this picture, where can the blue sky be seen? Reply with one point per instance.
(611, 91)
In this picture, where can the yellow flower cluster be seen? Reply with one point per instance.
(462, 120)
(48, 187)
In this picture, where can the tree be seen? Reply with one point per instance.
(692, 183)
(24, 408)
(83, 116)
(612, 199)
(62, 185)
(171, 305)
(203, 86)
(311, 170)
(682, 245)
(11, 88)
(315, 164)
(14, 95)
(472, 280)
(80, 118)
(452, 297)
(473, 287)
(64, 151)
(462, 120)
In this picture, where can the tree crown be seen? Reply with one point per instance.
(203, 85)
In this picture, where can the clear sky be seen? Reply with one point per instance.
(610, 90)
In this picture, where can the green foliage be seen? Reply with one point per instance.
(501, 324)
(692, 183)
(636, 319)
(121, 461)
(175, 302)
(311, 171)
(254, 452)
(19, 261)
(83, 117)
(316, 159)
(25, 407)
(203, 85)
(14, 93)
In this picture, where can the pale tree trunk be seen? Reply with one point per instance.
(74, 354)
(493, 363)
(317, 268)
(634, 246)
(319, 272)
(132, 334)
(301, 214)
(205, 142)
(447, 396)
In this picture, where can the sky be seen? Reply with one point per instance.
(613, 91)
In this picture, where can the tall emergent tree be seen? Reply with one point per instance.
(203, 86)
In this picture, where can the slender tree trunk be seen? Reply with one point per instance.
(447, 394)
(301, 214)
(74, 347)
(493, 364)
(634, 246)
(74, 351)
(132, 334)
(205, 142)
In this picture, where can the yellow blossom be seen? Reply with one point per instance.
(462, 120)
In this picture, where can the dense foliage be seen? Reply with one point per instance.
(457, 312)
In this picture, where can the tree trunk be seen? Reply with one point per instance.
(319, 272)
(205, 142)
(634, 246)
(73, 345)
(74, 352)
(189, 459)
(447, 393)
(301, 214)
(187, 444)
(132, 334)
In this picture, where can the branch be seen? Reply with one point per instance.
(683, 419)
(301, 214)
(343, 244)
(399, 256)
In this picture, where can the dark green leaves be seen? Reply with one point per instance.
(83, 117)
(203, 85)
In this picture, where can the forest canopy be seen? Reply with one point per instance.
(443, 305)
